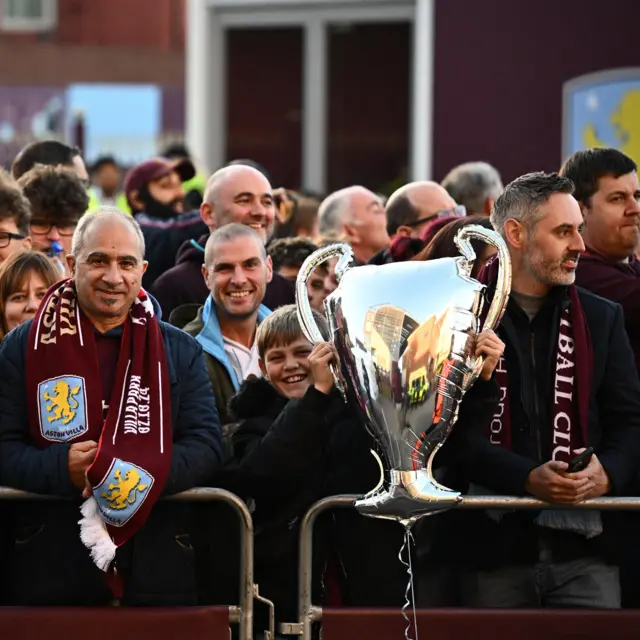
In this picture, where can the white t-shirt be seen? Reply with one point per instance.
(244, 361)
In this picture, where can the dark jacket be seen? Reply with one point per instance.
(616, 281)
(184, 283)
(222, 375)
(613, 430)
(163, 237)
(291, 453)
(47, 564)
(382, 257)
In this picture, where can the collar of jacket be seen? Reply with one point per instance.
(632, 264)
(211, 337)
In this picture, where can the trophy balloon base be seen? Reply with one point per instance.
(410, 496)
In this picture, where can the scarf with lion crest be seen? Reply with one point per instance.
(64, 392)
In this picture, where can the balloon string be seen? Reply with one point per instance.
(408, 601)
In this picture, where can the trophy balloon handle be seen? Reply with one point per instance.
(303, 306)
(503, 282)
(377, 488)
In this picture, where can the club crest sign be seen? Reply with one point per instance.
(603, 110)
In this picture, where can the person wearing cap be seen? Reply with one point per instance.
(156, 197)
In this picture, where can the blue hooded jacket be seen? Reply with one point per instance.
(211, 337)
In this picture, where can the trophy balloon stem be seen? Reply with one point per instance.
(410, 496)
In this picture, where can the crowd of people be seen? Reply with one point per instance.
(150, 344)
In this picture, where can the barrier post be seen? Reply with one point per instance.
(308, 613)
(242, 614)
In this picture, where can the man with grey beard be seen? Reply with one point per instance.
(567, 382)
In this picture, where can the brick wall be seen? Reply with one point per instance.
(100, 41)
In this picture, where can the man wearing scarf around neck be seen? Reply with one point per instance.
(567, 381)
(101, 400)
(608, 192)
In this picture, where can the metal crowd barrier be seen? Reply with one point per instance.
(308, 613)
(242, 614)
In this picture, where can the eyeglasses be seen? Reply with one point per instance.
(43, 227)
(6, 238)
(459, 211)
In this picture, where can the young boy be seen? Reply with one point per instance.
(297, 441)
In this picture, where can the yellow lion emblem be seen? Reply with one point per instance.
(63, 403)
(626, 127)
(125, 491)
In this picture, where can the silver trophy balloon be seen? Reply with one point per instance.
(405, 335)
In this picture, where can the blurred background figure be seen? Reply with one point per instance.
(287, 256)
(106, 185)
(15, 213)
(410, 210)
(443, 244)
(296, 215)
(476, 185)
(193, 187)
(24, 280)
(51, 153)
(354, 215)
(58, 200)
(155, 194)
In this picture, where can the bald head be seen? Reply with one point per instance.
(413, 202)
(336, 210)
(92, 220)
(240, 194)
(356, 215)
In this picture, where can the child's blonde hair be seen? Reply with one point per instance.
(282, 327)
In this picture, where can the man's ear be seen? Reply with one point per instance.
(269, 264)
(135, 200)
(263, 368)
(205, 275)
(208, 216)
(514, 233)
(405, 231)
(351, 234)
(71, 264)
(145, 264)
(488, 206)
(27, 243)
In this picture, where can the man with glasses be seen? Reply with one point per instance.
(58, 200)
(412, 207)
(14, 218)
(409, 211)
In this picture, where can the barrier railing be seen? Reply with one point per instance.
(308, 613)
(242, 614)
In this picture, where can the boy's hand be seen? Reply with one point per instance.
(320, 358)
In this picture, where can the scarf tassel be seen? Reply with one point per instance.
(94, 535)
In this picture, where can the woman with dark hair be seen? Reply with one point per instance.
(24, 280)
(444, 246)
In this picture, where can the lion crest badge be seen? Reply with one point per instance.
(122, 491)
(62, 408)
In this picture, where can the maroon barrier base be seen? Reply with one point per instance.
(83, 623)
(458, 624)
